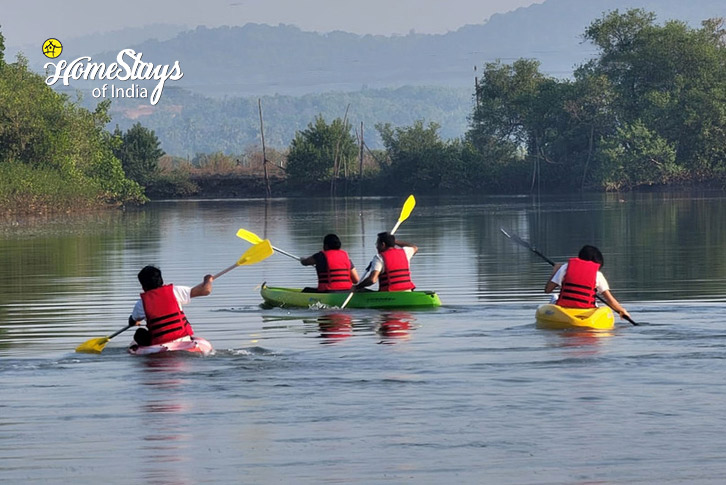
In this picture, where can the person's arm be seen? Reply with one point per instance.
(551, 285)
(372, 272)
(354, 276)
(204, 288)
(404, 244)
(369, 280)
(614, 304)
(137, 314)
(309, 261)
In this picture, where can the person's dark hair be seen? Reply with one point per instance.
(150, 278)
(591, 253)
(388, 239)
(332, 241)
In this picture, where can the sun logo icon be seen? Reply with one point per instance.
(52, 48)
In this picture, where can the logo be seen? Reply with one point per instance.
(128, 66)
(52, 48)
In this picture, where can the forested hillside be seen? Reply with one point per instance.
(188, 123)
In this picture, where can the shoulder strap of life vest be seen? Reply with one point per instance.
(578, 285)
(396, 274)
(334, 275)
(164, 317)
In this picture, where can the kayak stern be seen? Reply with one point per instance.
(555, 317)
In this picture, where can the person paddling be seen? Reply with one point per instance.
(161, 306)
(391, 266)
(580, 280)
(336, 272)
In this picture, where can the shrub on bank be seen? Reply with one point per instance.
(26, 189)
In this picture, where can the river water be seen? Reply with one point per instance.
(471, 392)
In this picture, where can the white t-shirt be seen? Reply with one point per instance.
(601, 284)
(183, 296)
(377, 261)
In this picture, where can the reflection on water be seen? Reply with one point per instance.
(396, 326)
(165, 412)
(469, 390)
(580, 343)
(335, 326)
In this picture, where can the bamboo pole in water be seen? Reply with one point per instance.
(360, 158)
(268, 192)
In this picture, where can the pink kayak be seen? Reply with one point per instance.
(193, 344)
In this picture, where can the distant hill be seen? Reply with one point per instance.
(258, 59)
(235, 65)
(188, 123)
(95, 43)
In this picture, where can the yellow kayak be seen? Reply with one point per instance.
(559, 318)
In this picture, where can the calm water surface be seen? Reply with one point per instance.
(471, 392)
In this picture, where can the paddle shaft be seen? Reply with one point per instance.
(225, 271)
(286, 253)
(253, 238)
(120, 331)
(527, 245)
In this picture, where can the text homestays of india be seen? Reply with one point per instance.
(121, 70)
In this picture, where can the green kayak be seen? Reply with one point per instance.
(294, 297)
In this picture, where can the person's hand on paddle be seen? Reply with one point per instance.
(615, 305)
(204, 288)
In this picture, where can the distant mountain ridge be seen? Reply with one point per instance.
(259, 59)
(238, 64)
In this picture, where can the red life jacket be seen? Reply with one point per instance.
(396, 275)
(578, 285)
(164, 318)
(334, 275)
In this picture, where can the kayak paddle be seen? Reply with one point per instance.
(255, 254)
(527, 245)
(260, 251)
(96, 345)
(253, 238)
(405, 212)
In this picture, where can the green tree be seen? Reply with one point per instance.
(669, 78)
(53, 153)
(520, 114)
(139, 151)
(2, 50)
(419, 158)
(636, 156)
(315, 151)
(651, 109)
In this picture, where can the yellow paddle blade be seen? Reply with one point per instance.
(93, 346)
(248, 236)
(407, 208)
(256, 253)
(405, 212)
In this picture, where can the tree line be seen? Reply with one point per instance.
(649, 110)
(54, 154)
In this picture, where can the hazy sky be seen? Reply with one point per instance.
(33, 21)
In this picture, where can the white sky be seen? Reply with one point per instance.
(33, 21)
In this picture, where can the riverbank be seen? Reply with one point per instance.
(244, 186)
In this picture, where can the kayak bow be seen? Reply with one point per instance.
(194, 345)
